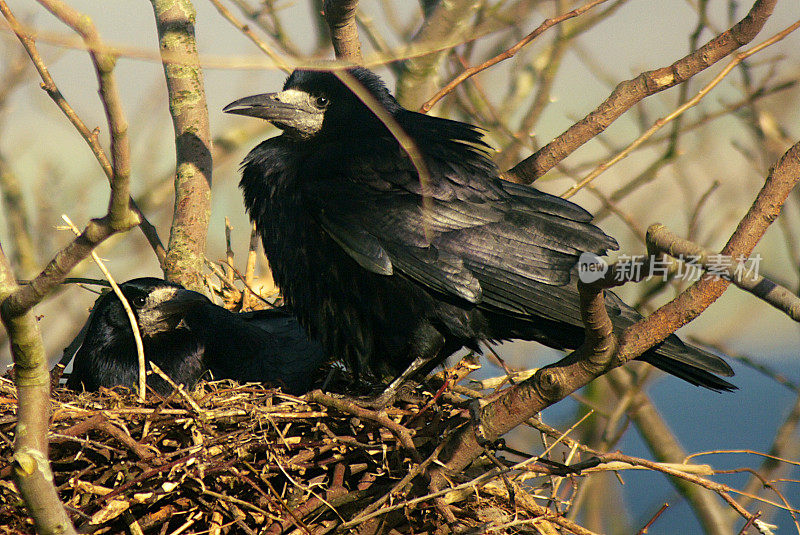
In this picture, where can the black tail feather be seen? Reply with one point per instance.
(688, 373)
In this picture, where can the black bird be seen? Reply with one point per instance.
(190, 337)
(387, 271)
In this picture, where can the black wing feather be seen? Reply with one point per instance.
(455, 234)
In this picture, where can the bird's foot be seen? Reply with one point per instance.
(392, 394)
(386, 398)
(402, 388)
(379, 402)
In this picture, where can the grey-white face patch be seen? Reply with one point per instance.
(153, 318)
(308, 119)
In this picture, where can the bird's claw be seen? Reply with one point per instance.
(380, 402)
(386, 398)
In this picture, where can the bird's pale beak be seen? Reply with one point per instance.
(265, 106)
(182, 301)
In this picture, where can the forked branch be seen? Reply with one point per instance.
(554, 382)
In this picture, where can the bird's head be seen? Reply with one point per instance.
(159, 306)
(317, 104)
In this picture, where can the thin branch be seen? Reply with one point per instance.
(689, 304)
(646, 527)
(228, 250)
(264, 47)
(403, 435)
(679, 111)
(147, 53)
(509, 53)
(32, 377)
(112, 104)
(552, 59)
(446, 26)
(694, 218)
(119, 216)
(100, 422)
(784, 446)
(56, 271)
(265, 16)
(250, 267)
(19, 230)
(251, 291)
(630, 92)
(666, 448)
(722, 490)
(483, 478)
(137, 336)
(257, 63)
(650, 173)
(733, 269)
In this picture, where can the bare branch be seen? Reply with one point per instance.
(228, 251)
(28, 296)
(689, 304)
(250, 267)
(666, 448)
(120, 217)
(722, 490)
(506, 54)
(187, 239)
(31, 374)
(31, 468)
(226, 13)
(763, 288)
(630, 92)
(403, 435)
(19, 229)
(784, 446)
(341, 18)
(679, 111)
(448, 25)
(137, 336)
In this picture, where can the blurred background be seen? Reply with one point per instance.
(698, 177)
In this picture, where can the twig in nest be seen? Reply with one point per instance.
(342, 405)
(249, 288)
(101, 423)
(179, 389)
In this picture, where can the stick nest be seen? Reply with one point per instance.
(227, 458)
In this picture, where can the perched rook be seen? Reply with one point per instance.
(391, 272)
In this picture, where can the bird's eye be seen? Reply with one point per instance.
(322, 102)
(138, 301)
